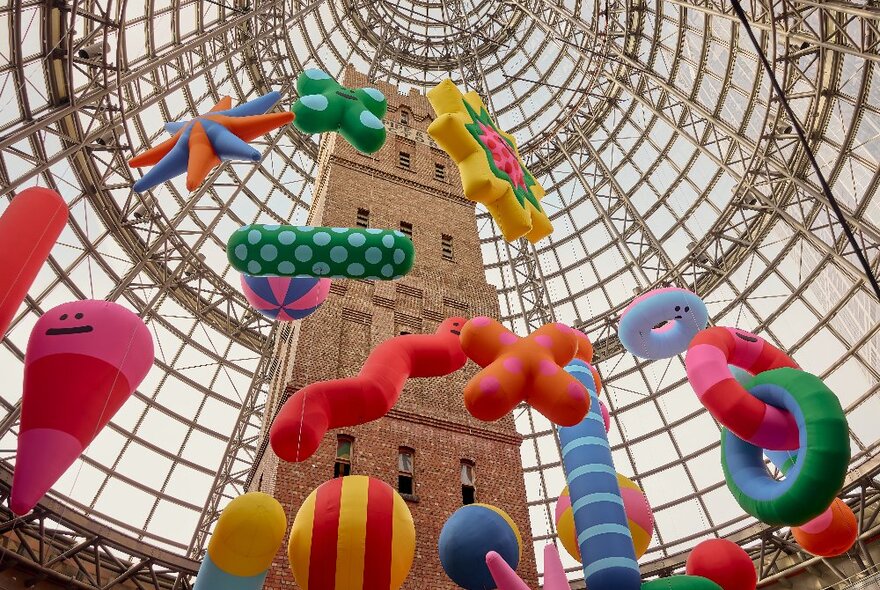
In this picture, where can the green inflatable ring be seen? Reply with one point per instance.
(820, 464)
(681, 583)
(332, 252)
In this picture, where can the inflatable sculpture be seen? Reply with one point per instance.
(640, 518)
(504, 577)
(332, 252)
(833, 532)
(681, 313)
(708, 356)
(554, 572)
(821, 460)
(29, 227)
(725, 563)
(352, 533)
(355, 113)
(603, 532)
(830, 534)
(526, 369)
(199, 145)
(83, 361)
(310, 412)
(285, 299)
(247, 536)
(492, 172)
(681, 583)
(469, 535)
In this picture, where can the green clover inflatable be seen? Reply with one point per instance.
(325, 105)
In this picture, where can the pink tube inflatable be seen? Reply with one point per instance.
(507, 579)
(707, 360)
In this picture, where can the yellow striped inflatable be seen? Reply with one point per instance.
(638, 514)
(352, 533)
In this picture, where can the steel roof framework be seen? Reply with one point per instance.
(617, 70)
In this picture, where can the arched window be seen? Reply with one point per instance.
(468, 482)
(342, 464)
(406, 471)
(363, 218)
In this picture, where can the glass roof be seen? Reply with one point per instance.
(650, 125)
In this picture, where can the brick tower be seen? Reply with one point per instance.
(428, 447)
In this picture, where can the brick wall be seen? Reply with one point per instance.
(334, 342)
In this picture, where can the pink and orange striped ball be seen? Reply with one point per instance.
(638, 513)
(352, 532)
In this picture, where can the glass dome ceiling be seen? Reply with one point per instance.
(650, 124)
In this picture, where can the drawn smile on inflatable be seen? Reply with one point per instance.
(678, 309)
(746, 338)
(73, 330)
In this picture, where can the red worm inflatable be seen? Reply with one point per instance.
(707, 360)
(306, 417)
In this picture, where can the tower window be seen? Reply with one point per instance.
(439, 172)
(363, 218)
(342, 465)
(446, 246)
(405, 471)
(403, 160)
(406, 229)
(404, 117)
(468, 489)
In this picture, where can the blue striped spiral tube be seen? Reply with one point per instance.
(603, 535)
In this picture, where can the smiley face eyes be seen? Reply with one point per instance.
(686, 308)
(64, 316)
(454, 323)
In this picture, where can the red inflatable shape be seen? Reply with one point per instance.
(83, 361)
(830, 534)
(708, 356)
(725, 563)
(28, 229)
(526, 369)
(306, 417)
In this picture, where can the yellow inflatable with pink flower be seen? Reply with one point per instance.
(492, 172)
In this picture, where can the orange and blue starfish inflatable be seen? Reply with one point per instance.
(197, 146)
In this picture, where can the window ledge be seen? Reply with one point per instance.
(410, 498)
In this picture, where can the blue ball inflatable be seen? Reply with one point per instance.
(468, 535)
(284, 298)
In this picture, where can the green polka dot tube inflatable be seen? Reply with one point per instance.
(332, 252)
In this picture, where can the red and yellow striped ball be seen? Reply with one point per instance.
(830, 534)
(352, 533)
(638, 513)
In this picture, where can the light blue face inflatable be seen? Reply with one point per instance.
(661, 323)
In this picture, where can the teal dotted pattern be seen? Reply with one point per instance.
(332, 252)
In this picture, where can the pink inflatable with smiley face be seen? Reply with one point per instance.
(83, 361)
(707, 360)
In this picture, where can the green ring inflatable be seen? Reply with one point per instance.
(681, 583)
(332, 252)
(820, 464)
